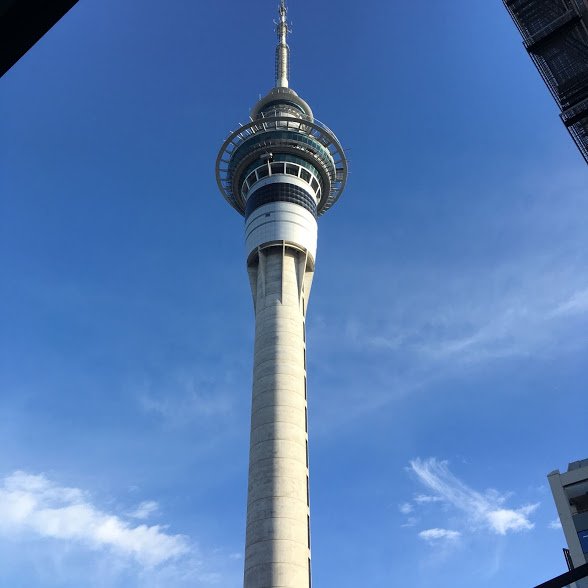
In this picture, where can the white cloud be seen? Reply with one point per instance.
(425, 498)
(406, 508)
(144, 510)
(482, 509)
(432, 535)
(32, 504)
(504, 520)
(554, 524)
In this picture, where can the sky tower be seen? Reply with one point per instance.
(281, 171)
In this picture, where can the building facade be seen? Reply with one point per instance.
(570, 493)
(555, 34)
(281, 171)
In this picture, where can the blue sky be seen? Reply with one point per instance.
(447, 329)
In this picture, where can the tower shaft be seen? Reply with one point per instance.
(281, 171)
(277, 551)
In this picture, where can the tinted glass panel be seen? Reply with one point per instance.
(280, 193)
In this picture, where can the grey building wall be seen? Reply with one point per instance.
(570, 493)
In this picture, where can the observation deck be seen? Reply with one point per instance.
(282, 138)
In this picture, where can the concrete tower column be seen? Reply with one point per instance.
(277, 551)
(281, 170)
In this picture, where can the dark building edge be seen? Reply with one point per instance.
(23, 23)
(566, 579)
(554, 31)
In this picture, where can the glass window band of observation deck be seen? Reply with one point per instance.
(280, 192)
(275, 137)
(289, 158)
(283, 163)
(281, 167)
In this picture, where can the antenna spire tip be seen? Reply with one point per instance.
(282, 50)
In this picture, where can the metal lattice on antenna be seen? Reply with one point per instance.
(282, 49)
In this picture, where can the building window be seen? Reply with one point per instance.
(280, 192)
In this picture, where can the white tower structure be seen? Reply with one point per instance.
(281, 171)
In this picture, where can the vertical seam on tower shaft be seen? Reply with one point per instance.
(261, 274)
(283, 271)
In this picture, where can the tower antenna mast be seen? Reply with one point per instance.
(282, 49)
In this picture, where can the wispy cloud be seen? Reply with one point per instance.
(528, 323)
(480, 327)
(554, 524)
(406, 508)
(576, 304)
(32, 504)
(425, 498)
(448, 320)
(434, 535)
(459, 335)
(144, 510)
(410, 522)
(525, 269)
(511, 289)
(483, 510)
(183, 398)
